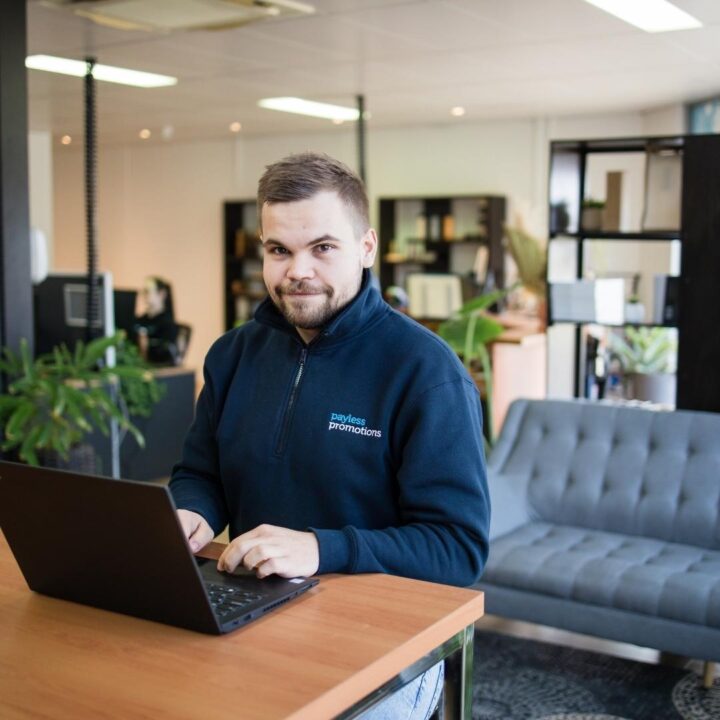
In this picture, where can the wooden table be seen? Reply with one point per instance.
(331, 653)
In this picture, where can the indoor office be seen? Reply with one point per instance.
(542, 178)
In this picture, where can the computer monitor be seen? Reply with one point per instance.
(124, 301)
(434, 295)
(61, 310)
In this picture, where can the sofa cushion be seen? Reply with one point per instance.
(619, 469)
(642, 575)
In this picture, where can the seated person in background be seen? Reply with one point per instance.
(156, 330)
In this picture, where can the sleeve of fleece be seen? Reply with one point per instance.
(444, 500)
(195, 482)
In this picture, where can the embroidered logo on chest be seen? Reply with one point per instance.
(351, 424)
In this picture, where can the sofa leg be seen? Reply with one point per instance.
(708, 674)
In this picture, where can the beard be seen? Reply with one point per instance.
(308, 313)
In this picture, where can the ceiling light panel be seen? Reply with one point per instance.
(649, 15)
(108, 73)
(309, 107)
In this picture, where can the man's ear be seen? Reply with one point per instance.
(369, 243)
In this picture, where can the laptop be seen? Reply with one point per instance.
(118, 545)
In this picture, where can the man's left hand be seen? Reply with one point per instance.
(273, 550)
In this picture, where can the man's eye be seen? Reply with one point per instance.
(278, 251)
(324, 247)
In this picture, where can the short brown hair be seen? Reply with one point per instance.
(301, 176)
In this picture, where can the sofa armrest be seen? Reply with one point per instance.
(508, 490)
(508, 436)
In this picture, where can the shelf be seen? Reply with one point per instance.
(656, 235)
(457, 241)
(619, 145)
(427, 260)
(604, 324)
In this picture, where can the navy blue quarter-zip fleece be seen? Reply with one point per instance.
(370, 436)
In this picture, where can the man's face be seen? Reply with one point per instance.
(313, 259)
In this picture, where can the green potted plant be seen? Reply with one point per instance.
(647, 358)
(52, 403)
(468, 332)
(592, 214)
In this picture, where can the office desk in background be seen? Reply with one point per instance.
(164, 430)
(315, 658)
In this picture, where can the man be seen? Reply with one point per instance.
(334, 434)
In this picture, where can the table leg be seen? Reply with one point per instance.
(457, 703)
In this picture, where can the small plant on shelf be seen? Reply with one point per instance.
(647, 357)
(645, 350)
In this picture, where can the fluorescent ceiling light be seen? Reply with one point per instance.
(308, 107)
(108, 73)
(649, 15)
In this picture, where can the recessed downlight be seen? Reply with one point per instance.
(457, 111)
(235, 127)
(144, 134)
(66, 139)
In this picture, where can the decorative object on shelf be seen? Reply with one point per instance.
(663, 190)
(559, 217)
(667, 292)
(595, 368)
(634, 309)
(613, 201)
(647, 358)
(592, 214)
(53, 402)
(468, 331)
(448, 228)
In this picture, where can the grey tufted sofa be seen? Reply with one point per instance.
(606, 521)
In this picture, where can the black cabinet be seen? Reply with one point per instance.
(440, 235)
(681, 205)
(243, 284)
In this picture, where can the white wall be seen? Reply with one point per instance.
(160, 206)
(40, 168)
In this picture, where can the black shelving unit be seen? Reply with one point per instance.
(439, 218)
(243, 285)
(698, 382)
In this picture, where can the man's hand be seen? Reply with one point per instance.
(269, 549)
(196, 529)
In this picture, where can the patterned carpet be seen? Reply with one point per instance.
(516, 679)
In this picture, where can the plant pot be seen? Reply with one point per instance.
(591, 218)
(656, 387)
(81, 459)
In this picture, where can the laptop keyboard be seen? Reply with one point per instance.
(227, 600)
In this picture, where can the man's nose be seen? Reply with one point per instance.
(301, 266)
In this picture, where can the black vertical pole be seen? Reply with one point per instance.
(16, 302)
(579, 273)
(361, 137)
(93, 326)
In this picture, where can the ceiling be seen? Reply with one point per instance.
(413, 60)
